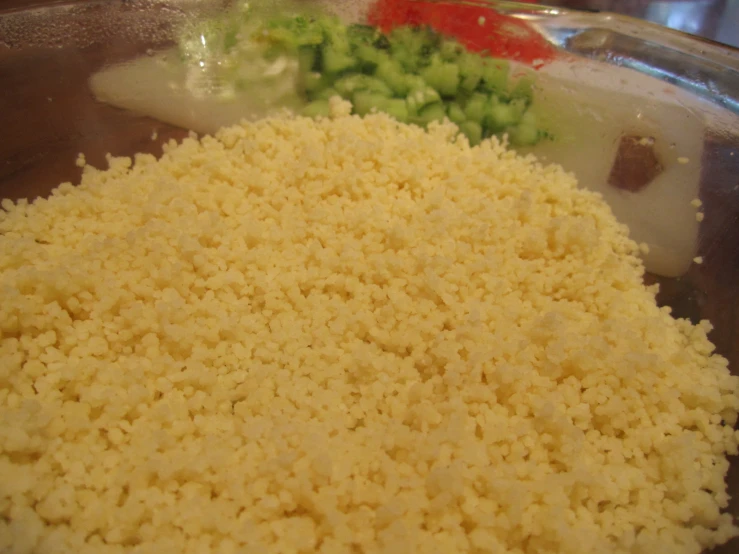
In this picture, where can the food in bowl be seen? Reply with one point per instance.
(244, 64)
(300, 335)
(348, 333)
(251, 63)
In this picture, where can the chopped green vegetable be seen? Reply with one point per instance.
(396, 108)
(415, 82)
(307, 59)
(370, 58)
(346, 86)
(470, 71)
(326, 94)
(476, 107)
(455, 113)
(293, 32)
(316, 108)
(391, 73)
(526, 132)
(363, 34)
(524, 89)
(500, 116)
(412, 73)
(473, 131)
(432, 112)
(313, 82)
(420, 41)
(495, 76)
(364, 101)
(420, 98)
(412, 46)
(450, 50)
(443, 76)
(335, 61)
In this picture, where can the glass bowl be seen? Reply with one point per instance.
(620, 78)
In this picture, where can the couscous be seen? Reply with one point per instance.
(347, 335)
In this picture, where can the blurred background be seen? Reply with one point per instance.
(714, 19)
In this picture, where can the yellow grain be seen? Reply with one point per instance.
(347, 335)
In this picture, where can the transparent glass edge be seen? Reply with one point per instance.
(702, 67)
(712, 69)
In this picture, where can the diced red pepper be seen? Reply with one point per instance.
(479, 28)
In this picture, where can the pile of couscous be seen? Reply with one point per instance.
(347, 336)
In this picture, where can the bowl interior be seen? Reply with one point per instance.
(49, 115)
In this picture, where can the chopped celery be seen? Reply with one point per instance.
(455, 113)
(526, 132)
(346, 86)
(415, 82)
(500, 116)
(391, 73)
(470, 71)
(335, 33)
(473, 131)
(411, 73)
(420, 41)
(432, 112)
(396, 108)
(412, 46)
(519, 105)
(450, 50)
(326, 94)
(443, 76)
(476, 107)
(363, 34)
(407, 59)
(364, 101)
(370, 58)
(524, 89)
(420, 98)
(293, 32)
(316, 108)
(307, 58)
(313, 82)
(335, 61)
(495, 76)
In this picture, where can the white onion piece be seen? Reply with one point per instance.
(589, 108)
